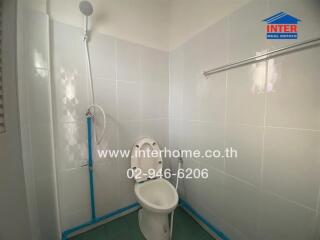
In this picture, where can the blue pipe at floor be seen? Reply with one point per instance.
(66, 233)
(183, 204)
(193, 212)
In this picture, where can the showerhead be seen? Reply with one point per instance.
(86, 8)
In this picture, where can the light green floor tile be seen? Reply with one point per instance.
(127, 227)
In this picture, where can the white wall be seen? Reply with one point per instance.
(131, 84)
(268, 111)
(14, 222)
(36, 121)
(161, 24)
(189, 17)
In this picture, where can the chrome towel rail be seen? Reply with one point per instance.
(258, 57)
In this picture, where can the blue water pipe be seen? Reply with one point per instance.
(215, 230)
(90, 167)
(94, 218)
(115, 213)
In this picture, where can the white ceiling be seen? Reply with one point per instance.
(162, 24)
(191, 16)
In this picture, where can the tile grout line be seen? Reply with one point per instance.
(225, 122)
(292, 128)
(140, 86)
(262, 158)
(226, 93)
(169, 104)
(117, 106)
(317, 219)
(291, 201)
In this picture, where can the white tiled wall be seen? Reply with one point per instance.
(268, 111)
(35, 123)
(131, 83)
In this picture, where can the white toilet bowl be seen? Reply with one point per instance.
(157, 196)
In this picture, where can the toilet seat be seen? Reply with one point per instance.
(142, 162)
(157, 195)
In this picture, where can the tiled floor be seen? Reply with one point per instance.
(127, 228)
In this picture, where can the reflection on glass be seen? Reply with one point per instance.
(43, 73)
(38, 59)
(75, 148)
(259, 76)
(39, 64)
(69, 97)
(272, 75)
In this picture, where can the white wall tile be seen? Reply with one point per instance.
(154, 99)
(212, 45)
(241, 206)
(109, 141)
(247, 141)
(106, 179)
(190, 110)
(232, 232)
(158, 130)
(76, 218)
(105, 96)
(154, 65)
(211, 98)
(126, 192)
(198, 111)
(291, 164)
(128, 61)
(281, 219)
(129, 103)
(74, 190)
(293, 90)
(71, 145)
(176, 63)
(210, 136)
(246, 94)
(129, 133)
(247, 30)
(189, 131)
(102, 54)
(212, 192)
(175, 133)
(192, 186)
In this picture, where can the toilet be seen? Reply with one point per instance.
(157, 196)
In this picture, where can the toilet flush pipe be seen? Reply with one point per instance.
(180, 160)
